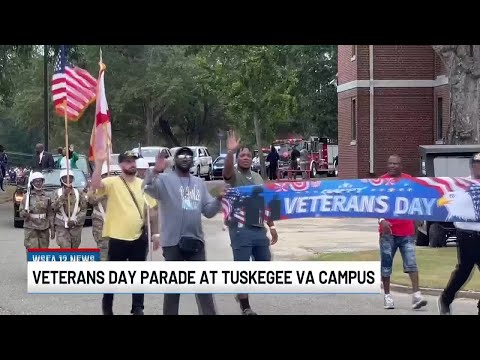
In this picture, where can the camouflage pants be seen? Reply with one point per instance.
(68, 238)
(35, 239)
(102, 243)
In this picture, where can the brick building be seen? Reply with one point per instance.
(391, 99)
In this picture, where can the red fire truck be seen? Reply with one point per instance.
(317, 155)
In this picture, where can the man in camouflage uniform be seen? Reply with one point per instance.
(69, 228)
(36, 209)
(99, 207)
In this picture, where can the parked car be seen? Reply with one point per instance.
(218, 165)
(114, 159)
(51, 184)
(114, 170)
(150, 153)
(202, 161)
(82, 163)
(442, 161)
(114, 166)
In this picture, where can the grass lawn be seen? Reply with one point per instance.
(435, 266)
(6, 195)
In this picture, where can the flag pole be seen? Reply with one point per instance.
(149, 231)
(107, 150)
(108, 154)
(67, 153)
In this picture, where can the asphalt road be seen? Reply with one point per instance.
(15, 300)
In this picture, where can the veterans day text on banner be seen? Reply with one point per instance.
(433, 199)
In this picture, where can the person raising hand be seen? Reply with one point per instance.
(248, 235)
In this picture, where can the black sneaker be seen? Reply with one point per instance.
(107, 307)
(443, 308)
(248, 311)
(137, 312)
(107, 311)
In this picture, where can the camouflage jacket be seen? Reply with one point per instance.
(99, 203)
(39, 210)
(60, 207)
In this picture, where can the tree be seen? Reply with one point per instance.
(12, 58)
(179, 94)
(316, 93)
(463, 67)
(257, 85)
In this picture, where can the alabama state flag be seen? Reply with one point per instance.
(101, 139)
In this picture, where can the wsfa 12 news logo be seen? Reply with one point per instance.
(85, 254)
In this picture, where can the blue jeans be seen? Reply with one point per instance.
(388, 247)
(249, 242)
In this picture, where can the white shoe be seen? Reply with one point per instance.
(388, 302)
(418, 301)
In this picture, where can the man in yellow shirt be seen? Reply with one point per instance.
(124, 220)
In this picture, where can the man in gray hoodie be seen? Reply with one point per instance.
(182, 198)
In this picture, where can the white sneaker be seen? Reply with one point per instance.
(388, 302)
(418, 301)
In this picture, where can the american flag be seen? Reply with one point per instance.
(73, 89)
(474, 192)
(445, 185)
(232, 195)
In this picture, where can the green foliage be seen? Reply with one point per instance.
(175, 94)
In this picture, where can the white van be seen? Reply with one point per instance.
(150, 153)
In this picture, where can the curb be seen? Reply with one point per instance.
(435, 292)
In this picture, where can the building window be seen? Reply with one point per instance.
(354, 52)
(354, 119)
(439, 119)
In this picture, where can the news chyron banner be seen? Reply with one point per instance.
(430, 199)
(84, 254)
(80, 272)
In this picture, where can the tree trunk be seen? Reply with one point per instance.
(203, 126)
(167, 131)
(149, 125)
(463, 66)
(258, 137)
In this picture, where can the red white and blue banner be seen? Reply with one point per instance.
(431, 199)
(49, 254)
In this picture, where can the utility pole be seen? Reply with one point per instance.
(45, 96)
